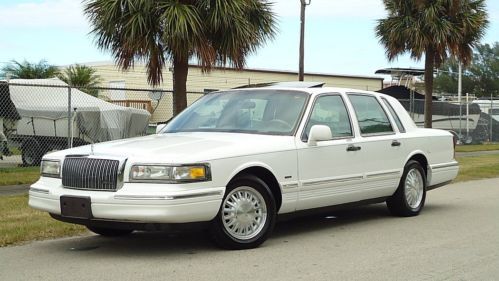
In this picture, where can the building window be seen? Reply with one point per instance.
(117, 90)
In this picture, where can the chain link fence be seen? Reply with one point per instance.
(473, 122)
(39, 116)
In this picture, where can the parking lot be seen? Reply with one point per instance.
(455, 238)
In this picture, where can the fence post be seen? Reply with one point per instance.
(412, 106)
(467, 117)
(460, 115)
(491, 111)
(70, 119)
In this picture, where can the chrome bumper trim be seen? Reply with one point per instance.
(340, 180)
(290, 185)
(396, 173)
(445, 165)
(167, 197)
(39, 190)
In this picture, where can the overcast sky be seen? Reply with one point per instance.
(339, 36)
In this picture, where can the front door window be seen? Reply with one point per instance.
(330, 111)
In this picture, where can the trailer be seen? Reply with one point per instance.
(55, 116)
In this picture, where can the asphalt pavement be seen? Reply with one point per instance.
(456, 237)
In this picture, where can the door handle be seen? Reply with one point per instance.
(352, 147)
(396, 143)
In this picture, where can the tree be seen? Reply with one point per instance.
(27, 70)
(82, 77)
(437, 29)
(214, 32)
(479, 79)
(446, 78)
(485, 70)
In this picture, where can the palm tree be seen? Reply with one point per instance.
(82, 77)
(213, 32)
(27, 70)
(437, 29)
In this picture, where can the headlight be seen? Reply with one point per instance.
(172, 174)
(50, 168)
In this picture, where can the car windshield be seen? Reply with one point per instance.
(263, 111)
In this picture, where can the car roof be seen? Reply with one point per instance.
(312, 91)
(287, 84)
(297, 84)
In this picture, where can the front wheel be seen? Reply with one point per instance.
(247, 215)
(410, 196)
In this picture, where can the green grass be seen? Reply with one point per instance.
(20, 223)
(479, 167)
(477, 147)
(21, 175)
(14, 176)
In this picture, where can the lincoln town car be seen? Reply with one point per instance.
(237, 160)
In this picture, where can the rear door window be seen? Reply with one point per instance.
(400, 126)
(372, 119)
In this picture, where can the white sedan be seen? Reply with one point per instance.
(236, 160)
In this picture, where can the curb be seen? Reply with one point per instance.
(14, 189)
(477, 153)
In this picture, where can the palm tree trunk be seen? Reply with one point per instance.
(428, 79)
(180, 71)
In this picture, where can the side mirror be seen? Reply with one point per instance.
(319, 133)
(160, 127)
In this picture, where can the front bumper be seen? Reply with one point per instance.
(136, 202)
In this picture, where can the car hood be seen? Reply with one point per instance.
(184, 147)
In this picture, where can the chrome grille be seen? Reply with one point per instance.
(90, 173)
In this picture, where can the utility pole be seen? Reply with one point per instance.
(304, 3)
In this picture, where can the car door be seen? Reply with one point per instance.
(381, 144)
(330, 172)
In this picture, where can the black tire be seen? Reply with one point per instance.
(109, 232)
(407, 202)
(31, 153)
(258, 194)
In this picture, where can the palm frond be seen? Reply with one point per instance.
(27, 70)
(451, 27)
(213, 31)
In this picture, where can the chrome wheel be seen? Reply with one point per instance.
(414, 188)
(244, 213)
(247, 214)
(410, 196)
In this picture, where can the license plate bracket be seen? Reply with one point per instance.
(76, 207)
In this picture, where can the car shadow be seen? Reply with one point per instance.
(330, 220)
(150, 244)
(342, 218)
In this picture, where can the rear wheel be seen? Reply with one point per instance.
(247, 215)
(410, 196)
(109, 232)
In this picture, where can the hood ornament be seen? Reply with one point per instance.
(92, 149)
